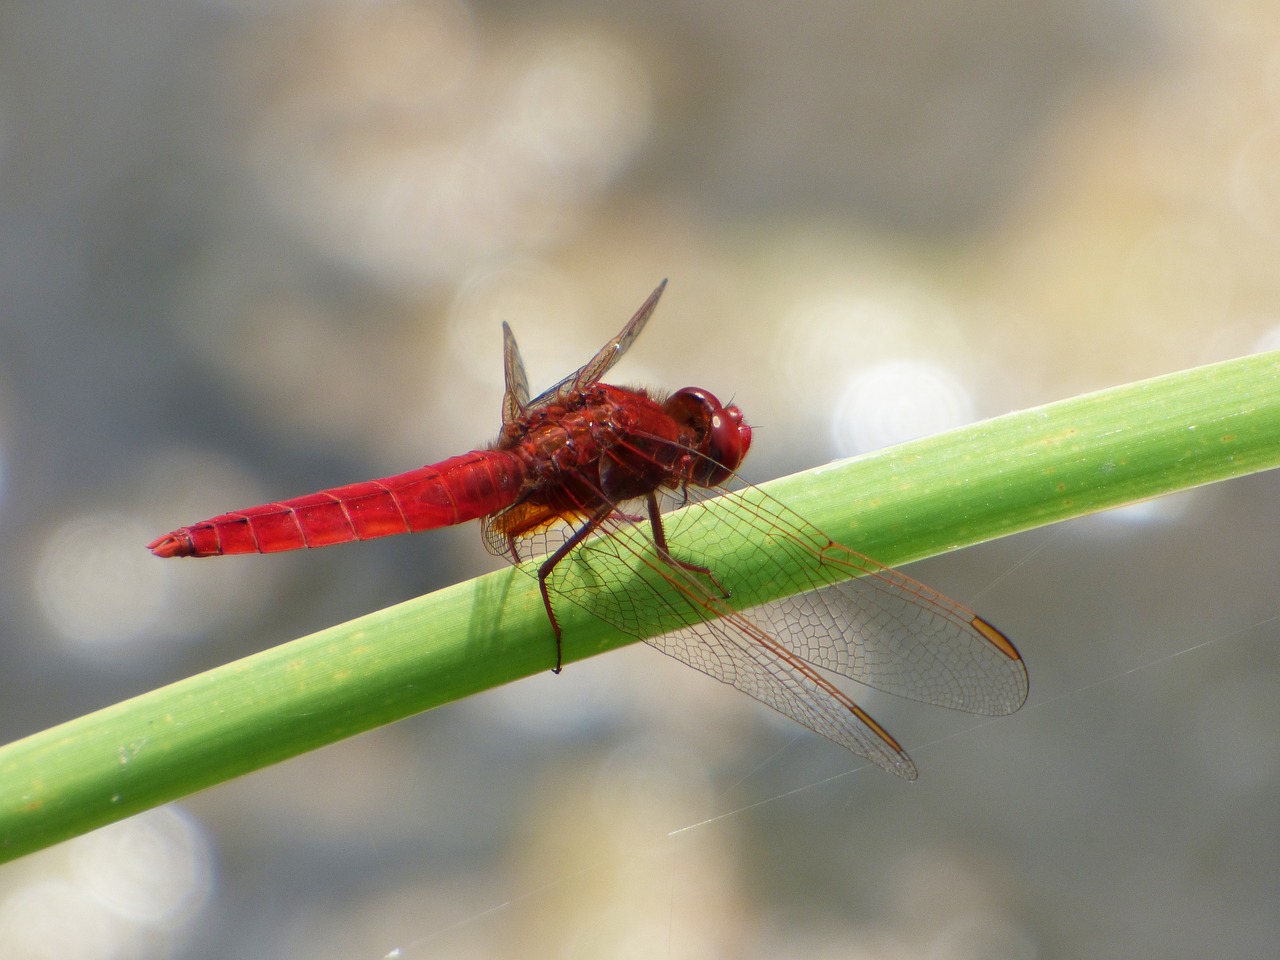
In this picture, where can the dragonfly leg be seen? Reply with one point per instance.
(660, 541)
(550, 563)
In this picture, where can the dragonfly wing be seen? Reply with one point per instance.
(528, 530)
(734, 651)
(515, 400)
(931, 650)
(870, 623)
(609, 354)
(716, 640)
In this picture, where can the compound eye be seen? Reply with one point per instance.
(720, 435)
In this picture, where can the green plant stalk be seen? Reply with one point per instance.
(926, 497)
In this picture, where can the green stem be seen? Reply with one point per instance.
(1001, 476)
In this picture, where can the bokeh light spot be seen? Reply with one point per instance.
(98, 589)
(153, 868)
(1255, 180)
(1159, 510)
(1268, 340)
(538, 303)
(451, 148)
(898, 401)
(55, 919)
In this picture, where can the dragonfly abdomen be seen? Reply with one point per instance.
(452, 491)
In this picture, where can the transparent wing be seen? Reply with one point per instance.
(515, 399)
(735, 650)
(883, 629)
(871, 623)
(715, 639)
(528, 530)
(609, 354)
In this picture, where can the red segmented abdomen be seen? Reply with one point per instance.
(452, 491)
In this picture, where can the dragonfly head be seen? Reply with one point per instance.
(719, 434)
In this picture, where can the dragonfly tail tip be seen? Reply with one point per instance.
(171, 545)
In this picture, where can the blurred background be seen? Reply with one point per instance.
(252, 249)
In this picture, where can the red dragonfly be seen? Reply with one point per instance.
(569, 472)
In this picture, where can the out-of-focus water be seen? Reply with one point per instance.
(248, 250)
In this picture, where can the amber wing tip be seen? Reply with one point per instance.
(1014, 696)
(996, 638)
